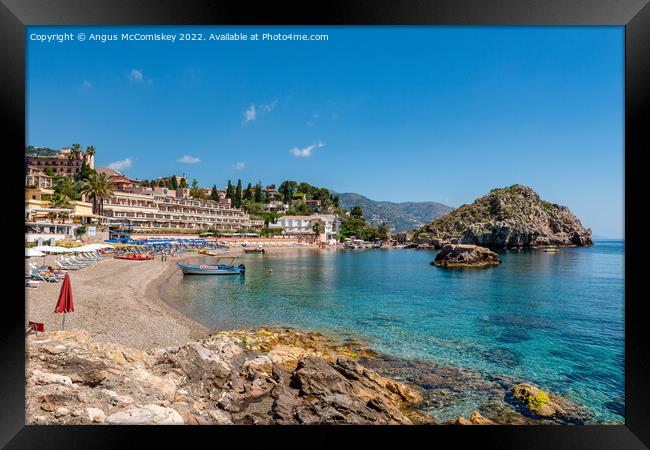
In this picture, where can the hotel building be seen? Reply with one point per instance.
(166, 209)
(60, 163)
(301, 225)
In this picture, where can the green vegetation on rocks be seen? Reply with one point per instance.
(514, 216)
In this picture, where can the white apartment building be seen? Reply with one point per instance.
(330, 224)
(152, 210)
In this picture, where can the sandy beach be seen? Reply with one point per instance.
(117, 301)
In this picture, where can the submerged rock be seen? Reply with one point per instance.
(460, 255)
(546, 404)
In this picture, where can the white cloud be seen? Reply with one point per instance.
(312, 120)
(187, 159)
(270, 106)
(136, 76)
(306, 152)
(239, 166)
(121, 165)
(250, 114)
(253, 111)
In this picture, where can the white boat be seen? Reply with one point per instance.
(212, 269)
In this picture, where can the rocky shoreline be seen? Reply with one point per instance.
(261, 376)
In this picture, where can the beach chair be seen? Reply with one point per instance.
(32, 283)
(48, 278)
(65, 265)
(75, 262)
(34, 327)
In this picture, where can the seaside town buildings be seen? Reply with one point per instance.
(302, 225)
(161, 208)
(153, 209)
(60, 163)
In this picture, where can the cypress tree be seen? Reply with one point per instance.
(258, 192)
(237, 199)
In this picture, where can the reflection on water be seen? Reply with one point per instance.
(555, 319)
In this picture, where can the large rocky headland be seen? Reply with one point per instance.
(508, 217)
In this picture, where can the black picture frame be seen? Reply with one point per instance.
(634, 15)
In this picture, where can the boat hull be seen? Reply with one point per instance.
(212, 270)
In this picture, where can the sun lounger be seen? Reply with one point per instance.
(32, 283)
(48, 278)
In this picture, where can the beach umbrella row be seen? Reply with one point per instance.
(30, 252)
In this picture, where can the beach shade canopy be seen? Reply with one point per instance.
(61, 250)
(42, 248)
(29, 252)
(50, 249)
(65, 305)
(85, 249)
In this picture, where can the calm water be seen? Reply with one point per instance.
(555, 319)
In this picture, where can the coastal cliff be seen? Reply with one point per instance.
(507, 217)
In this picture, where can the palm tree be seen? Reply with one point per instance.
(316, 228)
(98, 187)
(75, 152)
(59, 201)
(90, 150)
(68, 188)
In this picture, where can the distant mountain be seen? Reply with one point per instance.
(400, 216)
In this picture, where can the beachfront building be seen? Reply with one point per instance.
(60, 163)
(303, 225)
(44, 223)
(166, 209)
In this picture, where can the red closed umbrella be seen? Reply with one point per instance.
(65, 305)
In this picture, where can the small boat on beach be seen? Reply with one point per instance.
(135, 257)
(216, 269)
(206, 253)
(255, 250)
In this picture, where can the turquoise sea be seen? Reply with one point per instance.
(555, 319)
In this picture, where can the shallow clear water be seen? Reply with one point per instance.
(555, 319)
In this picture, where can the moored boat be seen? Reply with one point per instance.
(254, 250)
(206, 269)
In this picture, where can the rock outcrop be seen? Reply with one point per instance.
(508, 217)
(474, 419)
(461, 255)
(546, 404)
(262, 376)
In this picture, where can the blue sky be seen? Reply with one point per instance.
(393, 113)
